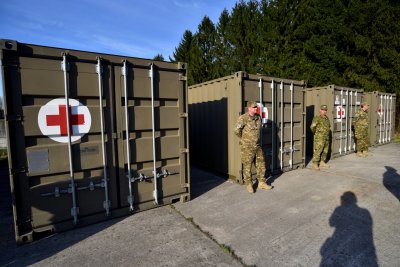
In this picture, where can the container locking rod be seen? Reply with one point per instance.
(128, 150)
(74, 209)
(103, 145)
(151, 75)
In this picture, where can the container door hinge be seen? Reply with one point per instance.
(184, 150)
(183, 115)
(14, 117)
(19, 170)
(182, 77)
(185, 185)
(182, 66)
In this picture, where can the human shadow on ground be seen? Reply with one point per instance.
(352, 242)
(391, 180)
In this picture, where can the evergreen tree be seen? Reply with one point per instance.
(202, 53)
(182, 52)
(244, 34)
(223, 48)
(158, 57)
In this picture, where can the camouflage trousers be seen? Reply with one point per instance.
(321, 148)
(248, 154)
(362, 142)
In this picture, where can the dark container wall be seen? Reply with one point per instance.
(66, 128)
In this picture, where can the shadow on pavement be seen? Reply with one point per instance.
(13, 255)
(202, 181)
(391, 180)
(352, 242)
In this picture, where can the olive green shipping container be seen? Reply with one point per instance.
(120, 147)
(382, 114)
(342, 103)
(215, 106)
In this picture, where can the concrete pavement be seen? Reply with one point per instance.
(347, 215)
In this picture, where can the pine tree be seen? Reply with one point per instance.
(182, 52)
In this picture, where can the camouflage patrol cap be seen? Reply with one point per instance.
(324, 107)
(251, 104)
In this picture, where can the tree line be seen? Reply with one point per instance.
(353, 43)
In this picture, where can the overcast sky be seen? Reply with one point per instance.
(137, 28)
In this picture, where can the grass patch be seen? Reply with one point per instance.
(3, 154)
(3, 157)
(226, 249)
(396, 138)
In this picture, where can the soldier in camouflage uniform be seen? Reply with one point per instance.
(248, 129)
(360, 124)
(320, 127)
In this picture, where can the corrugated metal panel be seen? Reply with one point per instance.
(382, 114)
(215, 106)
(61, 176)
(342, 104)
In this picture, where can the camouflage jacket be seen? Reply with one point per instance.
(360, 122)
(320, 126)
(248, 129)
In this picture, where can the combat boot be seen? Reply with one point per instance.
(359, 154)
(264, 185)
(315, 167)
(250, 188)
(365, 153)
(322, 164)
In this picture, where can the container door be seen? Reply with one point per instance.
(60, 128)
(282, 109)
(385, 104)
(152, 123)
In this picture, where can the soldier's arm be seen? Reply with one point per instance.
(239, 127)
(355, 119)
(313, 125)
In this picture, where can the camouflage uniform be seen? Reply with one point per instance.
(320, 126)
(248, 130)
(360, 125)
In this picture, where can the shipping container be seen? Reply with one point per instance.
(382, 114)
(91, 136)
(342, 103)
(215, 106)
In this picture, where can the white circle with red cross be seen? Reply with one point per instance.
(380, 111)
(340, 112)
(263, 112)
(52, 120)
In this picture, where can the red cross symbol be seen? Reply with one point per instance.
(340, 112)
(61, 120)
(263, 114)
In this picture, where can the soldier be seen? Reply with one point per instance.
(320, 127)
(248, 129)
(360, 124)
